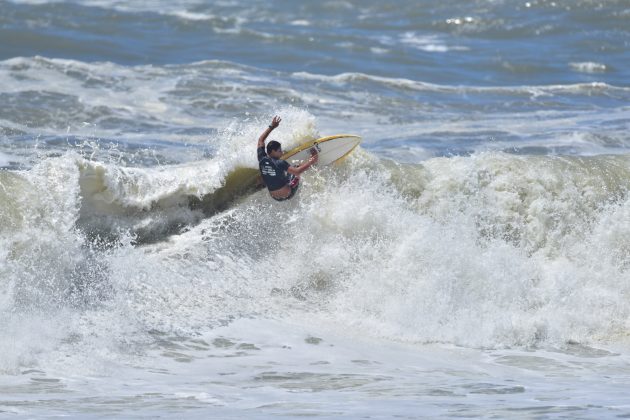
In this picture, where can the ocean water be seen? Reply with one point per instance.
(470, 259)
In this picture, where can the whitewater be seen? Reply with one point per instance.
(470, 259)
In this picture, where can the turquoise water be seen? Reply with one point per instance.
(470, 259)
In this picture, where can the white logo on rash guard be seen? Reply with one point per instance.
(268, 170)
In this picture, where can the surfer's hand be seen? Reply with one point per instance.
(314, 157)
(275, 122)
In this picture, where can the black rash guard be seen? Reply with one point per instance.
(273, 171)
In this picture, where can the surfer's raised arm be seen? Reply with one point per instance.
(275, 122)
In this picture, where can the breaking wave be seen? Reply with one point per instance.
(488, 250)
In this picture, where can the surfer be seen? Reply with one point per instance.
(282, 180)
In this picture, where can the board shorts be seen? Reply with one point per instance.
(294, 183)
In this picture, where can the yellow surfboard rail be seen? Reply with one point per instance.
(312, 143)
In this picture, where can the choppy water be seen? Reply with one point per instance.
(469, 260)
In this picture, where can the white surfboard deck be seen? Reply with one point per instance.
(331, 149)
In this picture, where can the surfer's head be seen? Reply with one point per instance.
(274, 149)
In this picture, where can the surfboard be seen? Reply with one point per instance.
(331, 149)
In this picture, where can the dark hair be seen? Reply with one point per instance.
(272, 146)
